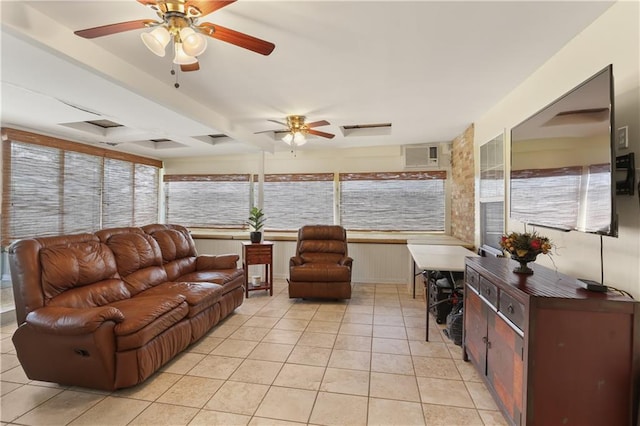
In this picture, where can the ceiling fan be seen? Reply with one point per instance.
(179, 23)
(297, 130)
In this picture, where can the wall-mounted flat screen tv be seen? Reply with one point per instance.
(561, 161)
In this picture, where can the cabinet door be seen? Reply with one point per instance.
(475, 328)
(505, 365)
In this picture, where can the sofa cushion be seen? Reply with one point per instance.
(146, 318)
(92, 295)
(139, 260)
(199, 295)
(75, 265)
(229, 279)
(178, 249)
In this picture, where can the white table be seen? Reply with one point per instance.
(437, 257)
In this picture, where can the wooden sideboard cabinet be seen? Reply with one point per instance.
(550, 352)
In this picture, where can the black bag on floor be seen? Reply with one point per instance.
(454, 324)
(440, 291)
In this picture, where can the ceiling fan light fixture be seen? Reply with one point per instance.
(193, 43)
(181, 58)
(156, 40)
(299, 139)
(288, 138)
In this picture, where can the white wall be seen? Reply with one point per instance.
(376, 159)
(614, 38)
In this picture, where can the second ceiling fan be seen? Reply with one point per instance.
(297, 129)
(179, 23)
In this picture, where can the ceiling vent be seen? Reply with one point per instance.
(161, 143)
(105, 124)
(380, 129)
(420, 156)
(213, 139)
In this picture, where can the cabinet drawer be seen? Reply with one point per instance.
(512, 309)
(258, 251)
(258, 259)
(489, 291)
(472, 277)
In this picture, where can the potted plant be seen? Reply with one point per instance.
(256, 222)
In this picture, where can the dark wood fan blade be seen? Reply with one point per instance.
(279, 122)
(190, 67)
(237, 38)
(208, 6)
(266, 131)
(120, 27)
(321, 134)
(115, 28)
(318, 123)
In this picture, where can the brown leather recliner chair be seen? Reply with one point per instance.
(321, 267)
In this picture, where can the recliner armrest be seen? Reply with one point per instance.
(72, 321)
(296, 261)
(346, 261)
(206, 262)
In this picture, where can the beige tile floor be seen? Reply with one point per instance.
(277, 361)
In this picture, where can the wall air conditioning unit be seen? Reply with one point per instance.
(420, 156)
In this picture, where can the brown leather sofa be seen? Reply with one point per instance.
(321, 267)
(107, 310)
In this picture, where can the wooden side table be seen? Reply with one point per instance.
(258, 254)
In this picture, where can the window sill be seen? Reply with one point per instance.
(366, 237)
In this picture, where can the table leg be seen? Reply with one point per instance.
(413, 277)
(427, 290)
(246, 279)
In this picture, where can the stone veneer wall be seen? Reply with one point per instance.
(462, 187)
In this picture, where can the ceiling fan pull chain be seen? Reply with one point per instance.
(173, 72)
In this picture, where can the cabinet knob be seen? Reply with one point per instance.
(488, 291)
(510, 308)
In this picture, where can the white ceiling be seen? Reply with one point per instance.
(429, 68)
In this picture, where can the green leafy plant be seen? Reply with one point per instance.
(256, 219)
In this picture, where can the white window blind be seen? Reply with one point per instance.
(82, 192)
(34, 181)
(117, 200)
(294, 200)
(405, 201)
(491, 192)
(146, 186)
(53, 186)
(207, 200)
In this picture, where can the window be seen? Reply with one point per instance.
(53, 187)
(491, 193)
(407, 201)
(145, 189)
(82, 192)
(294, 200)
(34, 191)
(117, 201)
(207, 200)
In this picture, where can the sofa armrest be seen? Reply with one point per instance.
(207, 262)
(346, 261)
(296, 261)
(72, 321)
